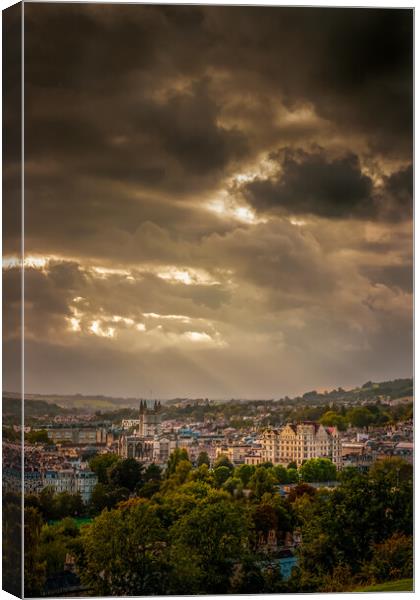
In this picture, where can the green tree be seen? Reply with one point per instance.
(126, 473)
(101, 463)
(318, 469)
(215, 534)
(233, 485)
(244, 472)
(204, 474)
(106, 496)
(280, 473)
(203, 459)
(35, 569)
(223, 461)
(333, 419)
(56, 541)
(125, 552)
(292, 475)
(221, 475)
(38, 437)
(263, 481)
(153, 472)
(360, 417)
(68, 505)
(176, 457)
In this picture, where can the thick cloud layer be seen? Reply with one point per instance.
(218, 199)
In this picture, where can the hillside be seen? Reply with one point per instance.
(54, 404)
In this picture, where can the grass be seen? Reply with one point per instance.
(78, 520)
(401, 585)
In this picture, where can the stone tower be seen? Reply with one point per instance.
(149, 418)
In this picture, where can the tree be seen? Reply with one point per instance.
(262, 482)
(280, 473)
(332, 419)
(38, 437)
(223, 461)
(203, 459)
(393, 470)
(100, 465)
(360, 417)
(153, 472)
(125, 552)
(318, 469)
(204, 474)
(56, 542)
(46, 504)
(126, 473)
(68, 505)
(215, 535)
(106, 496)
(176, 457)
(392, 559)
(34, 567)
(265, 518)
(292, 475)
(221, 474)
(299, 490)
(233, 485)
(244, 472)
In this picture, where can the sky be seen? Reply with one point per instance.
(218, 200)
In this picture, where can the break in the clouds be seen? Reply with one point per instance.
(218, 200)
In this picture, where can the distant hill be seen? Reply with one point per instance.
(71, 403)
(33, 408)
(397, 388)
(54, 404)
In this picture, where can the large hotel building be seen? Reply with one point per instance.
(300, 442)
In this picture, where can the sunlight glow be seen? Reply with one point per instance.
(96, 328)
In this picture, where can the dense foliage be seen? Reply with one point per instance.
(206, 530)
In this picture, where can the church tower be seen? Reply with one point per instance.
(149, 418)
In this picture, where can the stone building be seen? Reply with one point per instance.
(300, 442)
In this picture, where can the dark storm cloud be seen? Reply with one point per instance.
(393, 276)
(152, 138)
(313, 183)
(335, 187)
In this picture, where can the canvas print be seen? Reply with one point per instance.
(207, 299)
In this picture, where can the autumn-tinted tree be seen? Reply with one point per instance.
(392, 559)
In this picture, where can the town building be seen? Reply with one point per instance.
(73, 435)
(72, 481)
(299, 442)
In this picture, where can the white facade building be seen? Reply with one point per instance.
(297, 443)
(72, 481)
